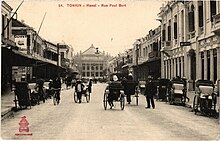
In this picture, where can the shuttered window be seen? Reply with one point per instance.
(175, 30)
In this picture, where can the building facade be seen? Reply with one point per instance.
(92, 63)
(7, 44)
(190, 40)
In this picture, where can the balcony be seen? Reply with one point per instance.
(201, 30)
(166, 44)
(191, 34)
(216, 24)
(153, 54)
(9, 42)
(65, 62)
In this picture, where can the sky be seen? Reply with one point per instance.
(111, 29)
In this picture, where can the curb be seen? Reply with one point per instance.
(7, 113)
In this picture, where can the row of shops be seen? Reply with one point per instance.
(25, 56)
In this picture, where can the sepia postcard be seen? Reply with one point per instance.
(110, 69)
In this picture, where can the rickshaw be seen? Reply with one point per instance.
(205, 98)
(163, 89)
(178, 92)
(142, 84)
(85, 94)
(114, 93)
(22, 95)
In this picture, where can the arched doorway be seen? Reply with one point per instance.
(192, 58)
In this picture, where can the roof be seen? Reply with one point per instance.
(91, 51)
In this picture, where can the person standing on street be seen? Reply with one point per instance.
(150, 91)
(57, 85)
(90, 86)
(40, 86)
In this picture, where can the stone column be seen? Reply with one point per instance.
(174, 67)
(199, 67)
(166, 73)
(178, 66)
(189, 67)
(168, 69)
(205, 65)
(162, 66)
(211, 66)
(185, 64)
(182, 74)
(171, 68)
(218, 63)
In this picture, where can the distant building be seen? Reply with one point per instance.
(92, 63)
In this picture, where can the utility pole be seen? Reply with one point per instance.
(38, 33)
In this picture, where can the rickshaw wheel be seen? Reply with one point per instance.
(122, 102)
(105, 101)
(195, 103)
(75, 97)
(87, 96)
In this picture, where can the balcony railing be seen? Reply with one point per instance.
(166, 44)
(191, 35)
(201, 30)
(216, 18)
(216, 24)
(7, 41)
(153, 54)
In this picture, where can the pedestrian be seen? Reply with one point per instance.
(150, 91)
(129, 87)
(57, 85)
(90, 86)
(79, 89)
(40, 91)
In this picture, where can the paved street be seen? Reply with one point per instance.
(89, 121)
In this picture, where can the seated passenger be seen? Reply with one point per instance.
(114, 90)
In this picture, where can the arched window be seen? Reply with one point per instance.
(212, 8)
(200, 7)
(175, 27)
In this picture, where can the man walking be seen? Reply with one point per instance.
(150, 91)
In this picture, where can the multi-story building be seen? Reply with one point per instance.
(190, 40)
(146, 55)
(92, 63)
(7, 44)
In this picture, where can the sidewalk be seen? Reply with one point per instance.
(7, 101)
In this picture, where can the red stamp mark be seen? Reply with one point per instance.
(23, 129)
